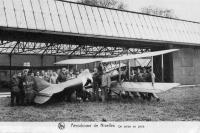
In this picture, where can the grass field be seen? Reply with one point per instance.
(180, 104)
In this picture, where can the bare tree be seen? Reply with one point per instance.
(159, 11)
(121, 6)
(105, 3)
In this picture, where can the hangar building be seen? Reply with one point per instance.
(45, 31)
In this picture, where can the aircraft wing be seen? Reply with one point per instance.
(78, 61)
(135, 56)
(124, 57)
(143, 87)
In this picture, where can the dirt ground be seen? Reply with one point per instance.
(180, 104)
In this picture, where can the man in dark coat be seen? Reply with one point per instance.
(29, 88)
(63, 75)
(96, 84)
(15, 90)
(145, 75)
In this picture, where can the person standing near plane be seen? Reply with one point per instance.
(139, 78)
(105, 85)
(15, 90)
(152, 95)
(53, 78)
(100, 71)
(38, 75)
(29, 87)
(62, 77)
(139, 75)
(145, 75)
(46, 77)
(96, 84)
(22, 85)
(100, 68)
(76, 74)
(42, 73)
(71, 74)
(133, 76)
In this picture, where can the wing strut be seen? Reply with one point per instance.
(129, 70)
(120, 73)
(152, 71)
(162, 67)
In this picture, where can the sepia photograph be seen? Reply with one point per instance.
(99, 61)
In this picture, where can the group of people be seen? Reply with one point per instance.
(143, 74)
(58, 76)
(99, 86)
(23, 87)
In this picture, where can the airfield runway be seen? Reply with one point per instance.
(179, 104)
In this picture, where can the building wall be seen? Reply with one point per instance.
(197, 65)
(186, 65)
(18, 60)
(4, 60)
(35, 61)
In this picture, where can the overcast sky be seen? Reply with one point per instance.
(184, 9)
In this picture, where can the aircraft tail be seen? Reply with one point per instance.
(41, 84)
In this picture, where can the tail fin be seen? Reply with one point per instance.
(41, 84)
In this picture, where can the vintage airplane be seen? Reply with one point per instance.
(144, 87)
(46, 90)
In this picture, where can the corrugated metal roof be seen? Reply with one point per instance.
(68, 17)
